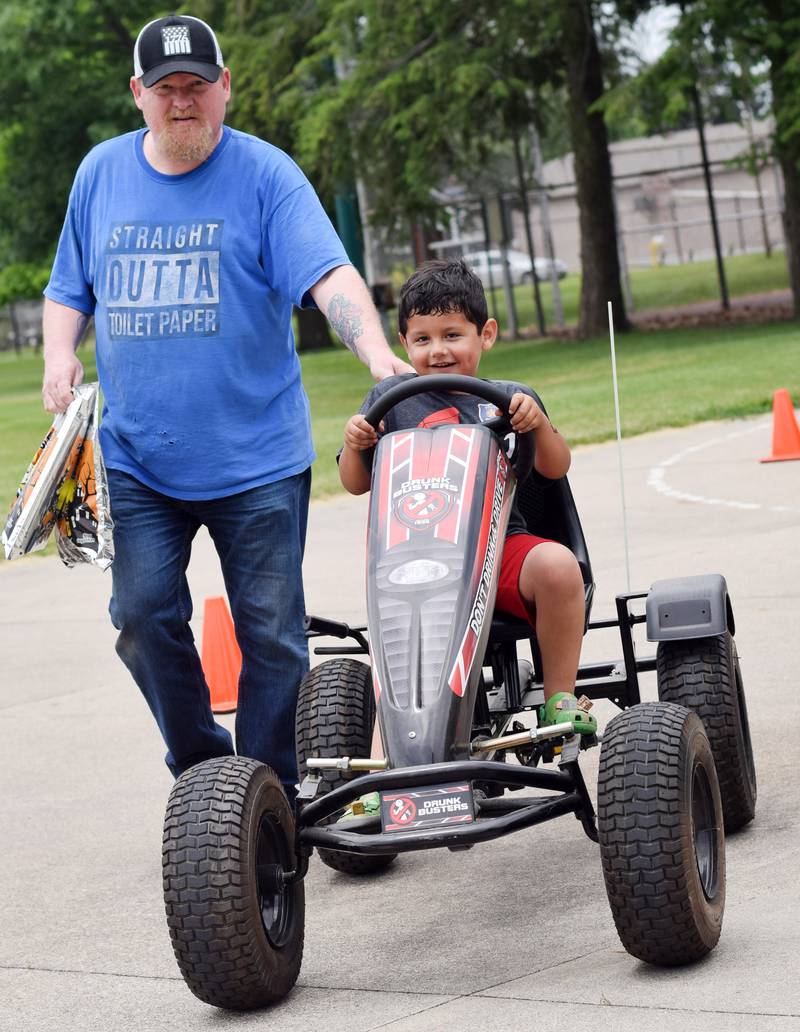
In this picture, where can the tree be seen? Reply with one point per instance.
(63, 89)
(763, 31)
(585, 88)
(772, 29)
(407, 95)
(740, 43)
(264, 42)
(428, 92)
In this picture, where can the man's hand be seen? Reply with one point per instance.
(62, 329)
(358, 434)
(383, 366)
(526, 414)
(61, 374)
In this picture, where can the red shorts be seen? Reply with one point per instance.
(509, 599)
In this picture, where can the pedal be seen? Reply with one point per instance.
(527, 756)
(309, 787)
(569, 750)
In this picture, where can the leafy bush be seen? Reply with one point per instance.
(22, 281)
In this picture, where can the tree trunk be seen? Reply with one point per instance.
(790, 166)
(421, 237)
(787, 141)
(599, 257)
(312, 330)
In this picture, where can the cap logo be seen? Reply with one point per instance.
(175, 39)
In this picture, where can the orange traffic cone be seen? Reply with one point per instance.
(222, 659)
(785, 431)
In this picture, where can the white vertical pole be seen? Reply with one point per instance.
(619, 444)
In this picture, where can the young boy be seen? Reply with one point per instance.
(445, 328)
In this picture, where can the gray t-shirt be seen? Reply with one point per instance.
(435, 408)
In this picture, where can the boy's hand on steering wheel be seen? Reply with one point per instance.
(359, 435)
(525, 413)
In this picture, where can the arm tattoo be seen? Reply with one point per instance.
(345, 318)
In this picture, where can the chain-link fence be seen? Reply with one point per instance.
(663, 219)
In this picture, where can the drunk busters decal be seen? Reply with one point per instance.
(425, 502)
(423, 808)
(161, 280)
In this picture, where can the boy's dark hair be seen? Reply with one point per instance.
(439, 287)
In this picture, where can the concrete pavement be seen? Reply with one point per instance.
(513, 934)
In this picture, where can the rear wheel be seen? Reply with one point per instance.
(236, 923)
(335, 717)
(661, 834)
(703, 675)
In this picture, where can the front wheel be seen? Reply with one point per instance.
(661, 834)
(235, 919)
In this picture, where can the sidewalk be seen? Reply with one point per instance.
(513, 934)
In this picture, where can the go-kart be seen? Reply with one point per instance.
(455, 703)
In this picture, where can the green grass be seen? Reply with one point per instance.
(669, 378)
(661, 287)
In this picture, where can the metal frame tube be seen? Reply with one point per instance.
(539, 811)
(433, 774)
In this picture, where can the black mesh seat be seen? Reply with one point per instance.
(549, 510)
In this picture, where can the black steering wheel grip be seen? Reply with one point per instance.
(523, 454)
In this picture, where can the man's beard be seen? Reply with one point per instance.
(190, 144)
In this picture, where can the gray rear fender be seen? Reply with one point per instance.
(688, 607)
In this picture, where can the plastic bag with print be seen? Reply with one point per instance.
(32, 516)
(65, 488)
(84, 528)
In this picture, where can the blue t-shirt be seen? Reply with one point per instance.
(191, 279)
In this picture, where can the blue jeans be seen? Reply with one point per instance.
(259, 536)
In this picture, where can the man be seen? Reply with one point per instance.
(189, 242)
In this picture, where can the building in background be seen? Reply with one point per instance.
(661, 198)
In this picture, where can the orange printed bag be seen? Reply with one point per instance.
(65, 488)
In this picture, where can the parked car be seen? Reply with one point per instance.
(519, 266)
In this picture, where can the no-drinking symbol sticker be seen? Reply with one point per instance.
(403, 810)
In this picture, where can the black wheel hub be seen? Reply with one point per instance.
(705, 832)
(275, 894)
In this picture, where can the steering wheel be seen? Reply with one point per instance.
(522, 457)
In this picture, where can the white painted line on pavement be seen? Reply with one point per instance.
(657, 478)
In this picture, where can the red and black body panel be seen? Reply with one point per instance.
(437, 521)
(441, 500)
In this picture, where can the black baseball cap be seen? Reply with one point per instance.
(177, 43)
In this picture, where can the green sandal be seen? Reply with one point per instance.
(563, 708)
(368, 805)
